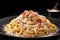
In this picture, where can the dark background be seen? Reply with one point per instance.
(15, 7)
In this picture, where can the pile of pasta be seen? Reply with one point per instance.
(30, 24)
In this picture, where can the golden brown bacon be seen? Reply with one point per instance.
(28, 14)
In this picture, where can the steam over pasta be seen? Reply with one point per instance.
(30, 24)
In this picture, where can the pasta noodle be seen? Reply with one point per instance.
(30, 24)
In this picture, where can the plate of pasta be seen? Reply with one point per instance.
(28, 24)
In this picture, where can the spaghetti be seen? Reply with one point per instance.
(30, 24)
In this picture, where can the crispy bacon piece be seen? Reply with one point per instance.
(28, 14)
(41, 25)
(38, 20)
(31, 14)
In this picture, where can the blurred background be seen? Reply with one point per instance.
(15, 7)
